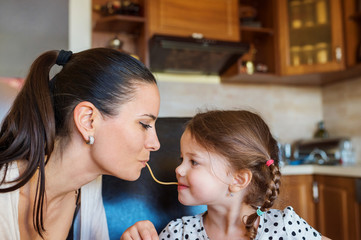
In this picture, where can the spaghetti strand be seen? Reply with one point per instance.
(160, 182)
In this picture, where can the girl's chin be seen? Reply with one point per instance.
(184, 202)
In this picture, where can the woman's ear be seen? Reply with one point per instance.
(84, 115)
(241, 180)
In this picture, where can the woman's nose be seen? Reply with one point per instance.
(153, 143)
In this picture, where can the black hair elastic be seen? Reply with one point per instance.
(63, 57)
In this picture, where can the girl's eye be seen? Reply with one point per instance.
(194, 163)
(146, 126)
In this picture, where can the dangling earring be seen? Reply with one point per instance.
(90, 140)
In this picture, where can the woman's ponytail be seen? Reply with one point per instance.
(28, 131)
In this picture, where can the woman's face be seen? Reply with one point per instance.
(203, 177)
(123, 143)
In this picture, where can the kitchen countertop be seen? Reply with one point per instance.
(307, 169)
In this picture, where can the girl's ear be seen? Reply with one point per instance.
(240, 180)
(84, 115)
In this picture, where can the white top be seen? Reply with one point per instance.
(9, 227)
(275, 224)
(90, 225)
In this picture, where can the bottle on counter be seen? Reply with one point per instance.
(321, 131)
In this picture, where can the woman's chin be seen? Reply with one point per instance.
(128, 177)
(132, 178)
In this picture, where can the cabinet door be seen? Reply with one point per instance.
(214, 19)
(337, 210)
(310, 36)
(296, 191)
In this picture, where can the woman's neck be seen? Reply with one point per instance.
(68, 172)
(65, 172)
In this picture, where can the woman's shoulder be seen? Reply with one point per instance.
(186, 226)
(285, 223)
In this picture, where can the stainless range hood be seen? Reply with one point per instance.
(170, 54)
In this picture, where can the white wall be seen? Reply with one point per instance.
(79, 25)
(27, 29)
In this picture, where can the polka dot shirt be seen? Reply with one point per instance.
(274, 225)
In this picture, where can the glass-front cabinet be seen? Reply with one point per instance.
(311, 37)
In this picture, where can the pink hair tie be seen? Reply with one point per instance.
(269, 162)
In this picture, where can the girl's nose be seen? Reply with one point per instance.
(180, 170)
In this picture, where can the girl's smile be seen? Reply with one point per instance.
(182, 187)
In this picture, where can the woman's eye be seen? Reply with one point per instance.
(146, 126)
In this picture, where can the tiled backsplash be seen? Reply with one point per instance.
(342, 111)
(291, 112)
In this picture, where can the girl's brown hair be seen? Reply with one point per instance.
(245, 140)
(42, 111)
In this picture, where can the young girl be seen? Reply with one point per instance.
(230, 163)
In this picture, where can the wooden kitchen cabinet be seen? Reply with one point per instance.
(274, 42)
(330, 204)
(338, 212)
(296, 191)
(213, 19)
(310, 36)
(132, 30)
(298, 51)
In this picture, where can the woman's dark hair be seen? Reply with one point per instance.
(244, 139)
(42, 111)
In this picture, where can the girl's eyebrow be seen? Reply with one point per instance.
(193, 154)
(150, 115)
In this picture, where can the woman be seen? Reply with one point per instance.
(96, 116)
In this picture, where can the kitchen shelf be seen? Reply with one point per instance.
(233, 75)
(119, 23)
(257, 30)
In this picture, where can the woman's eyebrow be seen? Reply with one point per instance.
(150, 115)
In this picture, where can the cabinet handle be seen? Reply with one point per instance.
(338, 54)
(315, 191)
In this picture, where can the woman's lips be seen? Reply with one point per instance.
(144, 162)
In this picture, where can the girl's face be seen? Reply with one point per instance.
(123, 144)
(203, 177)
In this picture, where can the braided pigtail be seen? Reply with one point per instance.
(271, 195)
